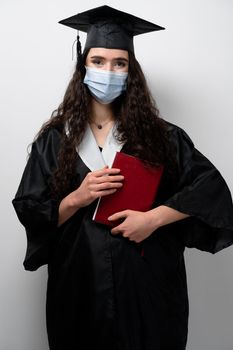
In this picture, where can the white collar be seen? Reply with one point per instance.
(90, 153)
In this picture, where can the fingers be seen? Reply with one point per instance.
(102, 179)
(117, 230)
(106, 186)
(117, 216)
(94, 186)
(100, 175)
(105, 192)
(106, 171)
(100, 183)
(121, 215)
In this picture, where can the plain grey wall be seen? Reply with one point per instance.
(189, 69)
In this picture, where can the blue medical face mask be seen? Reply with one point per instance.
(104, 85)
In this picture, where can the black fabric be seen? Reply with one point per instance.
(109, 28)
(202, 193)
(102, 292)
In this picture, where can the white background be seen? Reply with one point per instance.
(189, 69)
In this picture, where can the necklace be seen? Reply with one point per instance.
(100, 126)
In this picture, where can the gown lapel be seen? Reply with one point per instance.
(90, 153)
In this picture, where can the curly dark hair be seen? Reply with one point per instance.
(139, 124)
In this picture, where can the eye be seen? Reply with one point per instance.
(120, 64)
(97, 62)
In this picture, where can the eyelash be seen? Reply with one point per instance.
(96, 62)
(118, 63)
(121, 64)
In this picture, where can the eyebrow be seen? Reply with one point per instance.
(115, 59)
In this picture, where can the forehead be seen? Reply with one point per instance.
(108, 53)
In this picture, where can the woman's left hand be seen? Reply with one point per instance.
(136, 226)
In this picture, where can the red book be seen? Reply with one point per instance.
(138, 192)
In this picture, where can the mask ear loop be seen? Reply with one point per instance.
(78, 49)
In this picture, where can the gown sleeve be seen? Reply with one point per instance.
(204, 195)
(35, 208)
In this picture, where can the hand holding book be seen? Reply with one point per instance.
(137, 193)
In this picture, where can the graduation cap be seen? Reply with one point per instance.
(109, 28)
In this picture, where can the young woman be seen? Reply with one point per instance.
(122, 288)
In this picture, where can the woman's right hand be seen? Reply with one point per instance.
(96, 184)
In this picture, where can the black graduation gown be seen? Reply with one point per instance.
(101, 290)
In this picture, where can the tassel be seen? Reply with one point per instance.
(78, 49)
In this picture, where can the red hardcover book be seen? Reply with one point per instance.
(138, 192)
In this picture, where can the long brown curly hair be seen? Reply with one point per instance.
(138, 124)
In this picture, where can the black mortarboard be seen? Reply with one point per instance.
(109, 28)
